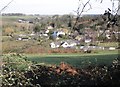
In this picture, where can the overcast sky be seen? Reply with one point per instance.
(48, 7)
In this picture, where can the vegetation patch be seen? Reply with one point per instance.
(63, 74)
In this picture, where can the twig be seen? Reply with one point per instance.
(80, 13)
(6, 6)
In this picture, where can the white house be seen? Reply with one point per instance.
(45, 35)
(49, 27)
(19, 38)
(54, 45)
(65, 45)
(88, 40)
(23, 39)
(69, 43)
(111, 48)
(108, 36)
(47, 31)
(60, 33)
(32, 34)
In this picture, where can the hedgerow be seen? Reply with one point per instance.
(17, 71)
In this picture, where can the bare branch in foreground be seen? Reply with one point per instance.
(80, 13)
(6, 6)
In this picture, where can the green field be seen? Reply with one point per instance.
(76, 60)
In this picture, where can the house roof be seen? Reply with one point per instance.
(57, 43)
(71, 41)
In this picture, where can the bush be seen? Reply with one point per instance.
(37, 28)
(8, 31)
(35, 75)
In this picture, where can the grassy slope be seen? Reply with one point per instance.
(109, 44)
(106, 52)
(78, 60)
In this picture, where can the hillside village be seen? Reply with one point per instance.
(56, 32)
(57, 50)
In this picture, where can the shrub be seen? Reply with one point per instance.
(8, 31)
(35, 75)
(37, 28)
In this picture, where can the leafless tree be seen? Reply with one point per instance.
(112, 19)
(80, 11)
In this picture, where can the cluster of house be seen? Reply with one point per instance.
(56, 35)
(88, 37)
(65, 44)
(75, 44)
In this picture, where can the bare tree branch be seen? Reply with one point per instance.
(101, 1)
(80, 13)
(90, 7)
(6, 6)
